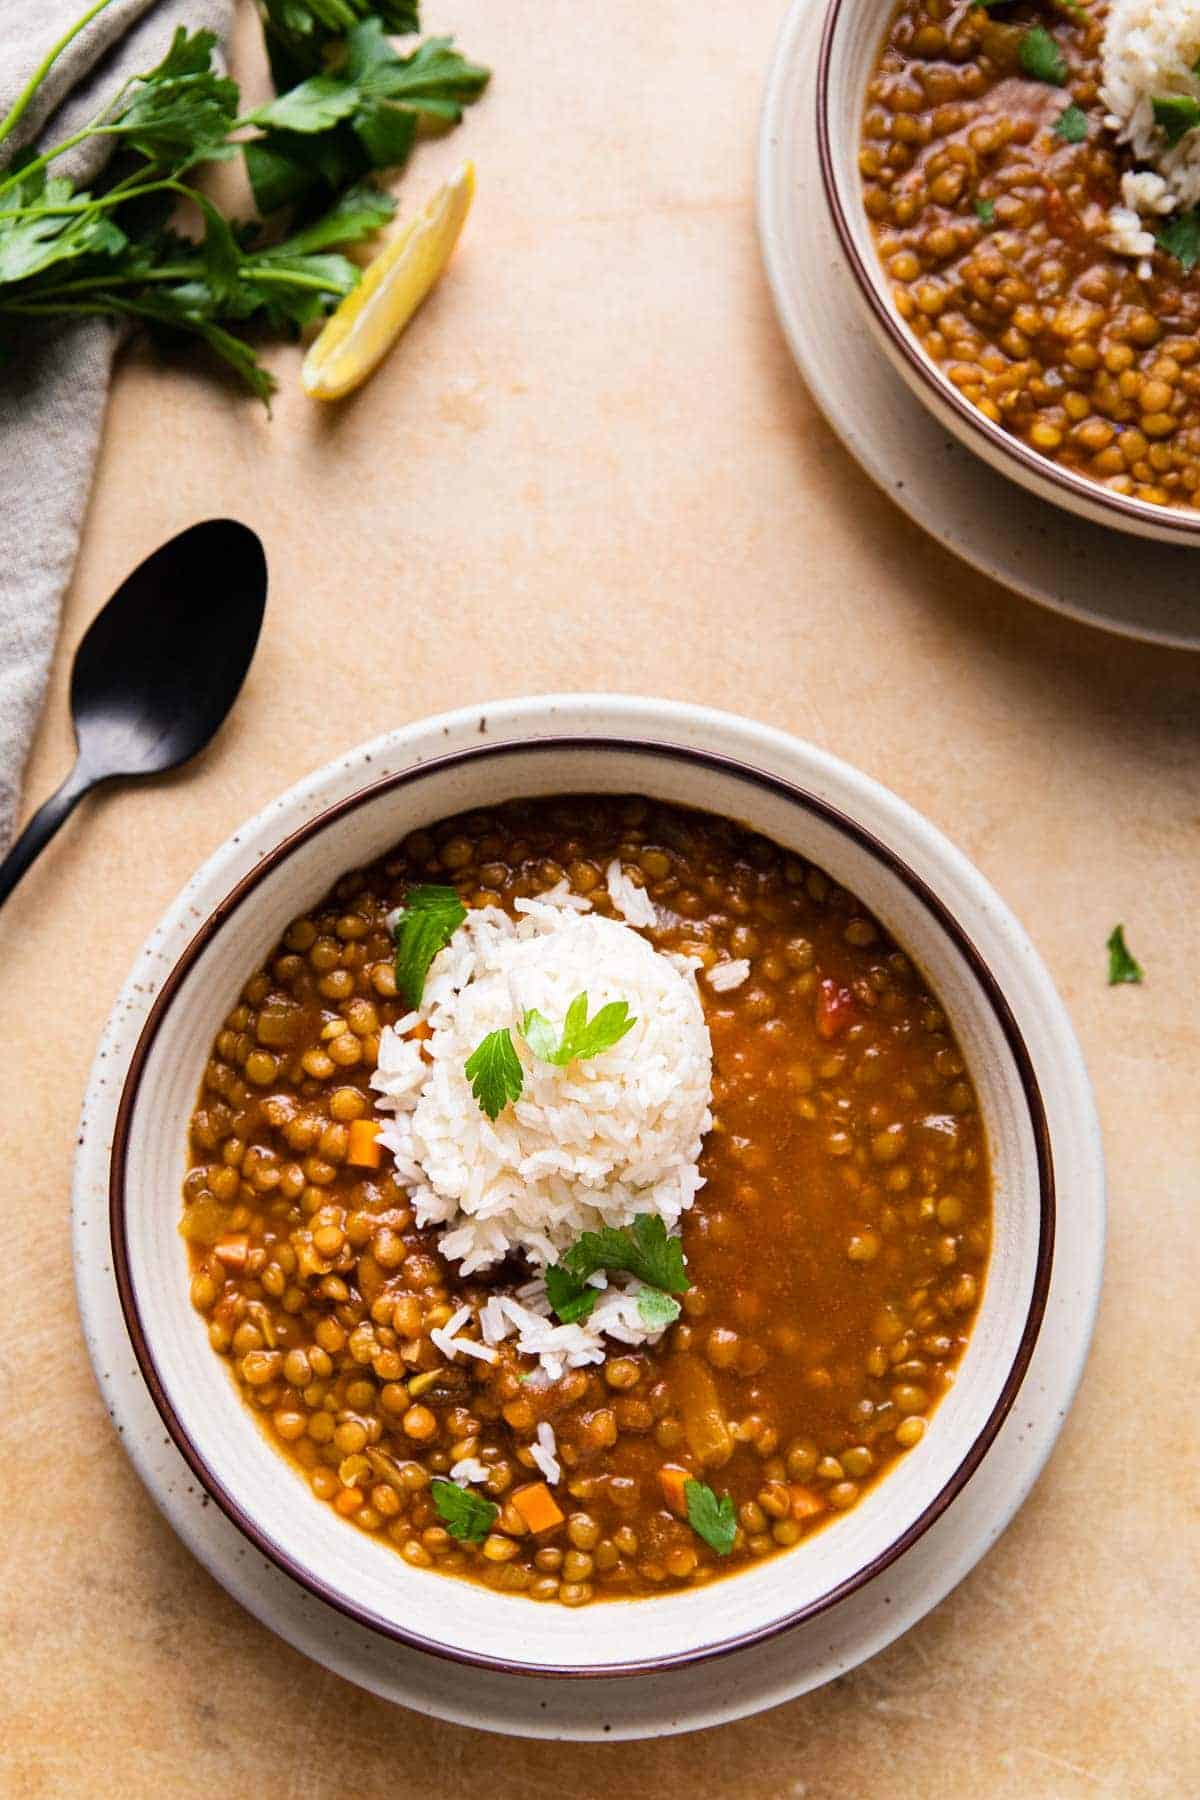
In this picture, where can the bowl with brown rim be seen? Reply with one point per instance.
(1019, 1047)
(851, 42)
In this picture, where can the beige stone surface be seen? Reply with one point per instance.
(592, 465)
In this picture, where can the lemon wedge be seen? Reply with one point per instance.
(357, 337)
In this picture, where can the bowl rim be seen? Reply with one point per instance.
(1177, 523)
(307, 1578)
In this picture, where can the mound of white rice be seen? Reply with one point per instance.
(1151, 48)
(596, 1143)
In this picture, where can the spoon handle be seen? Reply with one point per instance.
(42, 827)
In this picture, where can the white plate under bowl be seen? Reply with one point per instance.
(677, 1699)
(1133, 586)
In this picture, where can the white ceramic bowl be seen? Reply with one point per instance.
(851, 41)
(938, 907)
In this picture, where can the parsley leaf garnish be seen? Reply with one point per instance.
(1071, 125)
(494, 1068)
(656, 1309)
(315, 105)
(711, 1519)
(1176, 115)
(179, 111)
(494, 1072)
(642, 1249)
(38, 228)
(427, 921)
(466, 1516)
(365, 114)
(1122, 965)
(571, 1300)
(1041, 58)
(581, 1037)
(302, 35)
(1181, 239)
(986, 211)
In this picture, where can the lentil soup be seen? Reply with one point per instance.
(990, 189)
(835, 1254)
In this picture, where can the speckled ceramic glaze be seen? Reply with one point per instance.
(1024, 1059)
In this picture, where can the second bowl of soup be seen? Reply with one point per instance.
(1023, 233)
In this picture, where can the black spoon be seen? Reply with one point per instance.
(158, 669)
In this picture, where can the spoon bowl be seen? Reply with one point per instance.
(158, 669)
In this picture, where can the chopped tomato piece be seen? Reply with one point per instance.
(835, 1009)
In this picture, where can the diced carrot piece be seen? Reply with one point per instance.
(364, 1151)
(673, 1481)
(805, 1504)
(232, 1250)
(537, 1506)
(835, 1009)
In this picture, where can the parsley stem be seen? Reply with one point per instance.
(51, 308)
(17, 109)
(30, 309)
(116, 196)
(190, 271)
(47, 157)
(104, 308)
(290, 278)
(106, 283)
(94, 128)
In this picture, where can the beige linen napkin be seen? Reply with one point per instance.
(54, 384)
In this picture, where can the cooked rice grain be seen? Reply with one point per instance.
(1151, 48)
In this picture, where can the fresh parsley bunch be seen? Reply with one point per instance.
(348, 105)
